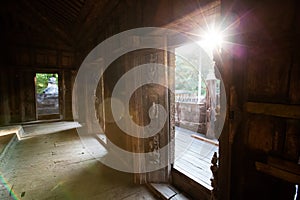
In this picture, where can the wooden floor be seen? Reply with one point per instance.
(193, 156)
(57, 166)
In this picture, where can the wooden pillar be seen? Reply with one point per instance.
(65, 93)
(27, 96)
(211, 103)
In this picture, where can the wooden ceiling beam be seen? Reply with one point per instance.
(66, 8)
(83, 17)
(76, 8)
(44, 20)
(48, 13)
(86, 10)
(32, 29)
(60, 11)
(77, 3)
(94, 19)
(54, 15)
(196, 21)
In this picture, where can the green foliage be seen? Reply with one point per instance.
(186, 78)
(187, 75)
(42, 81)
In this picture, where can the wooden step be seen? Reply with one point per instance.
(15, 129)
(166, 191)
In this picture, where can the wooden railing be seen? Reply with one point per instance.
(191, 116)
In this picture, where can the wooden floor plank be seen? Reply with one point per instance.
(57, 166)
(193, 156)
(195, 170)
(200, 151)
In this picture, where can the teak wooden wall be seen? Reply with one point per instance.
(264, 95)
(18, 69)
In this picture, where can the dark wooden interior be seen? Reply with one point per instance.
(259, 153)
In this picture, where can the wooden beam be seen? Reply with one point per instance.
(278, 173)
(208, 11)
(164, 191)
(73, 6)
(86, 14)
(284, 165)
(46, 23)
(93, 19)
(278, 110)
(216, 143)
(61, 13)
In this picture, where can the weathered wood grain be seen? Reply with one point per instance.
(284, 165)
(277, 172)
(279, 110)
(193, 157)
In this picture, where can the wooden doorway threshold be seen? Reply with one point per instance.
(191, 169)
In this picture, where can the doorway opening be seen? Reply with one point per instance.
(197, 106)
(47, 96)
